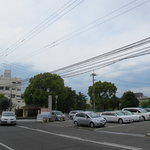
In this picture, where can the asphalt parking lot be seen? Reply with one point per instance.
(30, 135)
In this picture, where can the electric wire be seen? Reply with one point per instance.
(55, 43)
(110, 53)
(54, 17)
(88, 27)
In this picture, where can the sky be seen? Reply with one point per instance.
(27, 27)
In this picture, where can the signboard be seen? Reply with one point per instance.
(45, 110)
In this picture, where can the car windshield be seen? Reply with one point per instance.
(127, 112)
(93, 115)
(73, 112)
(142, 110)
(119, 113)
(59, 113)
(8, 114)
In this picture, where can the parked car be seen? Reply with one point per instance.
(145, 115)
(147, 109)
(44, 116)
(134, 117)
(89, 119)
(8, 117)
(58, 115)
(73, 112)
(116, 116)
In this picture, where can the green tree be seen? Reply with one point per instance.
(70, 101)
(145, 104)
(114, 103)
(102, 92)
(81, 101)
(74, 101)
(129, 100)
(4, 103)
(42, 85)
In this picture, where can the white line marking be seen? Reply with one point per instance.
(7, 147)
(121, 133)
(84, 140)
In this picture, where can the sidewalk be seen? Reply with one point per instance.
(27, 120)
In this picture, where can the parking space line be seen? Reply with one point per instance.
(5, 146)
(121, 133)
(83, 140)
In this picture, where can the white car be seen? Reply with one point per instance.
(73, 112)
(44, 116)
(8, 117)
(116, 116)
(58, 115)
(134, 117)
(145, 115)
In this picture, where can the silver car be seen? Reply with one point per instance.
(73, 112)
(8, 117)
(58, 115)
(89, 119)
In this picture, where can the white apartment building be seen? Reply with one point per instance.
(11, 88)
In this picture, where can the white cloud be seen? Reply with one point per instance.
(22, 16)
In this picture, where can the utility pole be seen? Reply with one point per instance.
(93, 75)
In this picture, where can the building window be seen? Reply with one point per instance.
(18, 96)
(13, 95)
(18, 89)
(1, 88)
(7, 88)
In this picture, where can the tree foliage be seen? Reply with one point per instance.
(45, 84)
(145, 103)
(129, 100)
(81, 101)
(4, 103)
(74, 100)
(42, 85)
(102, 92)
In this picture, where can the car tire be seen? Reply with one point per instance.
(76, 123)
(92, 125)
(142, 118)
(120, 121)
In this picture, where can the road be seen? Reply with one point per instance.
(32, 135)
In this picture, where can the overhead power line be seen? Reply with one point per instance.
(92, 25)
(133, 50)
(99, 21)
(66, 8)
